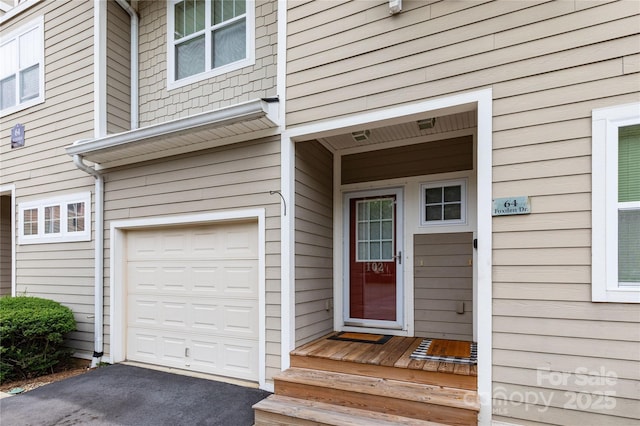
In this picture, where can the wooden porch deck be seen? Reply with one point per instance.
(392, 358)
(333, 382)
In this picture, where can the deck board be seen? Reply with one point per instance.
(394, 353)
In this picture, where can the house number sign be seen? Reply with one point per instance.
(511, 205)
(17, 136)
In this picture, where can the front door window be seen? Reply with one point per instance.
(373, 272)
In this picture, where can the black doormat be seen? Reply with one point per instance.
(347, 336)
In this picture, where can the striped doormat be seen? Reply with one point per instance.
(457, 352)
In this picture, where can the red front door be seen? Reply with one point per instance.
(372, 258)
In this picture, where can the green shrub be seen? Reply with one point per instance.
(31, 336)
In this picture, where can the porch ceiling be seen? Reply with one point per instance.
(237, 123)
(403, 131)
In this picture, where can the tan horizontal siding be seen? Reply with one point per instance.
(519, 60)
(42, 169)
(588, 329)
(443, 278)
(563, 404)
(545, 238)
(228, 178)
(549, 64)
(118, 69)
(313, 242)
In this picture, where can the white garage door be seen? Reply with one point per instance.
(192, 298)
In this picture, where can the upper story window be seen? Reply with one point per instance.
(616, 204)
(22, 68)
(208, 38)
(62, 219)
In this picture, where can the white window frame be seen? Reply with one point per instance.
(172, 83)
(440, 184)
(604, 180)
(37, 23)
(64, 235)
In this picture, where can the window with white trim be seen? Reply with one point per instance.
(22, 68)
(62, 219)
(208, 38)
(443, 203)
(616, 204)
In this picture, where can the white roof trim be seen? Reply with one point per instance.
(236, 123)
(16, 10)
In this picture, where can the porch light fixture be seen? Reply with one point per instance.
(427, 123)
(361, 135)
(395, 6)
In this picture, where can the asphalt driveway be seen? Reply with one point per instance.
(127, 395)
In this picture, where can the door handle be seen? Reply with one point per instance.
(399, 257)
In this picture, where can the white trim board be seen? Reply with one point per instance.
(118, 273)
(480, 100)
(11, 189)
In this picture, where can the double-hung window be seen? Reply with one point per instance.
(22, 68)
(208, 38)
(616, 204)
(62, 219)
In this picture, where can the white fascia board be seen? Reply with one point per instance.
(241, 112)
(17, 10)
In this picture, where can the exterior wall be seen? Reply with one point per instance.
(233, 177)
(41, 169)
(157, 104)
(314, 242)
(549, 64)
(5, 245)
(118, 69)
(443, 279)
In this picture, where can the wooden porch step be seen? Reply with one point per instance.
(287, 411)
(414, 400)
(391, 360)
(437, 378)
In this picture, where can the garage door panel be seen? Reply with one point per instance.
(219, 316)
(240, 280)
(221, 241)
(174, 314)
(142, 311)
(235, 278)
(142, 346)
(143, 276)
(240, 320)
(239, 357)
(206, 317)
(192, 298)
(173, 348)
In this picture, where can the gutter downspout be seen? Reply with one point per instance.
(99, 259)
(100, 27)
